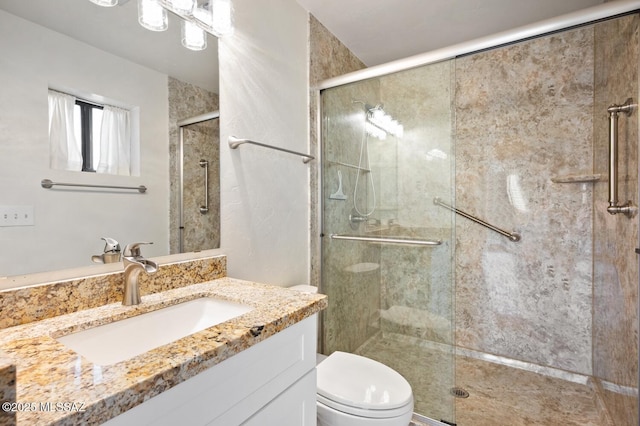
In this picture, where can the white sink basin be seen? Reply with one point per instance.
(124, 339)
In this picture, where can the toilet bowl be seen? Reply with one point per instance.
(356, 391)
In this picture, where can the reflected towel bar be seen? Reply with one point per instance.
(515, 237)
(386, 240)
(48, 184)
(236, 142)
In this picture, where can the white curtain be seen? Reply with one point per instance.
(115, 142)
(64, 146)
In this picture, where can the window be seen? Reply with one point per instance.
(86, 136)
(87, 122)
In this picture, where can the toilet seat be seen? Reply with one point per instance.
(362, 387)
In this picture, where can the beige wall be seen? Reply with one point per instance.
(615, 263)
(328, 58)
(524, 117)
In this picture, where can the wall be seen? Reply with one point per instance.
(524, 117)
(264, 97)
(328, 58)
(69, 223)
(615, 303)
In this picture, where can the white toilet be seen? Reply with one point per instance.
(357, 391)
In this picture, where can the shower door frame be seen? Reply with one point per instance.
(213, 115)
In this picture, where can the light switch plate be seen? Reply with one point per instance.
(16, 216)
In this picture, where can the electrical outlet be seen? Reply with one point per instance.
(16, 216)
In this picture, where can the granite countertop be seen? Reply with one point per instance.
(57, 386)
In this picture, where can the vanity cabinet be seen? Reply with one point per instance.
(270, 383)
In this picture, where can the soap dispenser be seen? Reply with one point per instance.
(111, 252)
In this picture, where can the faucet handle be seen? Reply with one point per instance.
(111, 245)
(133, 249)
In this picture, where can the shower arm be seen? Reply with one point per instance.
(628, 209)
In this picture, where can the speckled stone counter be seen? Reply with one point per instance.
(49, 375)
(49, 299)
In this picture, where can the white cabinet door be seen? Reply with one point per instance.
(294, 407)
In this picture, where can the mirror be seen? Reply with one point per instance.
(103, 55)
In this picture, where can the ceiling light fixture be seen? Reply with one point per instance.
(199, 18)
(152, 15)
(105, 3)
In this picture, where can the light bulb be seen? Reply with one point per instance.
(182, 6)
(105, 3)
(204, 15)
(221, 10)
(152, 15)
(193, 37)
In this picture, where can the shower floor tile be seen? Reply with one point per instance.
(502, 395)
(499, 395)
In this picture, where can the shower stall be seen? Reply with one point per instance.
(194, 169)
(198, 167)
(469, 245)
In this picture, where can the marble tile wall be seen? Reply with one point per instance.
(523, 117)
(201, 141)
(615, 296)
(328, 58)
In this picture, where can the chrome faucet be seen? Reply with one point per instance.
(134, 263)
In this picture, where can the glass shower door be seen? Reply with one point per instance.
(387, 252)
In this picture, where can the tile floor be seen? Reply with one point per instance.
(499, 395)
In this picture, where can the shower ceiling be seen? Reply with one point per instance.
(379, 31)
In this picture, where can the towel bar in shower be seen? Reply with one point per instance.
(513, 236)
(626, 108)
(386, 240)
(236, 142)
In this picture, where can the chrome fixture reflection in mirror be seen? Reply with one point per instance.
(198, 19)
(379, 123)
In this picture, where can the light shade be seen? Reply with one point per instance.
(152, 15)
(105, 3)
(182, 6)
(193, 37)
(222, 24)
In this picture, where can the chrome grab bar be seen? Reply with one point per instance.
(386, 240)
(613, 111)
(204, 209)
(48, 184)
(513, 236)
(236, 142)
